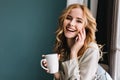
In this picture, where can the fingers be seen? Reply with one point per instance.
(58, 56)
(81, 35)
(76, 39)
(43, 56)
(84, 33)
(47, 71)
(44, 62)
(45, 65)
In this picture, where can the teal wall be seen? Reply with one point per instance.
(26, 32)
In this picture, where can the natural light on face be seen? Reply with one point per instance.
(73, 23)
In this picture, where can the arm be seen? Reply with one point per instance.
(89, 64)
(71, 69)
(83, 69)
(57, 76)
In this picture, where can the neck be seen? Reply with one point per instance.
(70, 42)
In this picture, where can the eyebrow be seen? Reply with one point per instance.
(80, 18)
(77, 17)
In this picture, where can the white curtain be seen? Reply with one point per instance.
(93, 5)
(115, 43)
(75, 1)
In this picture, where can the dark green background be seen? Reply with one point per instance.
(27, 30)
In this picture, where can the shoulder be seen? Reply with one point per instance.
(91, 54)
(92, 50)
(93, 45)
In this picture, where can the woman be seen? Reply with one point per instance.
(76, 44)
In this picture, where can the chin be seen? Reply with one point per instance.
(69, 36)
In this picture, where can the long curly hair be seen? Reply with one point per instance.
(60, 46)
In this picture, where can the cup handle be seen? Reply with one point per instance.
(42, 64)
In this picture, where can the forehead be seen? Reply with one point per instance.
(76, 12)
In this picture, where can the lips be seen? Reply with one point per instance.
(70, 29)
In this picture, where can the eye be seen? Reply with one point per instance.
(79, 21)
(69, 17)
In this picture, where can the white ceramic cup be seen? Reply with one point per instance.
(52, 63)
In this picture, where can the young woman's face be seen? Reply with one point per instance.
(73, 23)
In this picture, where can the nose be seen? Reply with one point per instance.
(72, 23)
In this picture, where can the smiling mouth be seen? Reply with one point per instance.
(70, 29)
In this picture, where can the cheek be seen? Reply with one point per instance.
(65, 23)
(79, 27)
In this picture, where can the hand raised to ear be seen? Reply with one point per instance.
(79, 42)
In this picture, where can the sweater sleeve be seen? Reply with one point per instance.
(71, 69)
(83, 69)
(89, 64)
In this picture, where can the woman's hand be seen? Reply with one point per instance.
(57, 74)
(79, 42)
(45, 64)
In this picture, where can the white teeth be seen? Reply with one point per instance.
(70, 29)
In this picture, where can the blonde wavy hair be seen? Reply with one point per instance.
(90, 28)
